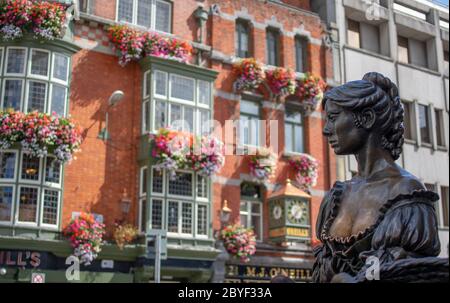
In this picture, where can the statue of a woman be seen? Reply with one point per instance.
(382, 223)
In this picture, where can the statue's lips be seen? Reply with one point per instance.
(333, 143)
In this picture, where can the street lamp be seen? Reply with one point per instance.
(113, 100)
(225, 213)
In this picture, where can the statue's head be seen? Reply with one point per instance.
(361, 109)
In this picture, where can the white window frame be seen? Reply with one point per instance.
(196, 234)
(50, 98)
(163, 211)
(134, 16)
(13, 180)
(5, 73)
(163, 183)
(176, 197)
(182, 101)
(180, 233)
(141, 200)
(27, 94)
(153, 85)
(203, 105)
(295, 136)
(42, 208)
(198, 198)
(13, 204)
(2, 55)
(30, 62)
(56, 80)
(31, 182)
(22, 93)
(36, 220)
(51, 185)
(249, 214)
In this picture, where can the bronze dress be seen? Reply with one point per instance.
(404, 239)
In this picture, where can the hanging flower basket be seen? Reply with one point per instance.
(134, 45)
(40, 134)
(249, 73)
(124, 234)
(281, 81)
(86, 237)
(239, 242)
(262, 165)
(310, 92)
(177, 150)
(306, 170)
(43, 19)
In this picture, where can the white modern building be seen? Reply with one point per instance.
(408, 41)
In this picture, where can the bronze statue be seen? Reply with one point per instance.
(384, 214)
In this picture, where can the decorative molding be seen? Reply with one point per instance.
(227, 95)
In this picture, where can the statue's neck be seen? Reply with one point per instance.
(372, 158)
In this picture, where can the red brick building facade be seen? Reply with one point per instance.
(106, 172)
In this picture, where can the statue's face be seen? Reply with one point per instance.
(343, 135)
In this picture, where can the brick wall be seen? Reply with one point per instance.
(96, 180)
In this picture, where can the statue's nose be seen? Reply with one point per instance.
(326, 131)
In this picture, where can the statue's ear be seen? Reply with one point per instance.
(368, 118)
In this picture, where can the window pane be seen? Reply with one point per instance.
(160, 115)
(172, 224)
(255, 131)
(182, 88)
(37, 92)
(186, 218)
(424, 124)
(243, 207)
(256, 225)
(288, 135)
(298, 139)
(162, 22)
(51, 201)
(146, 118)
(143, 208)
(181, 185)
(52, 171)
(407, 121)
(157, 214)
(272, 47)
(403, 49)
(147, 84)
(13, 94)
(244, 130)
(157, 181)
(39, 63)
(204, 89)
(60, 68)
(6, 196)
(58, 101)
(293, 116)
(144, 13)
(143, 185)
(175, 115)
(28, 204)
(300, 54)
(125, 11)
(241, 42)
(7, 165)
(188, 123)
(205, 123)
(202, 187)
(353, 34)
(16, 61)
(256, 208)
(30, 168)
(160, 83)
(202, 220)
(439, 128)
(244, 221)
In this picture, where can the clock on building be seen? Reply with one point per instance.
(298, 212)
(277, 210)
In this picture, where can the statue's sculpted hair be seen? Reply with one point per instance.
(379, 93)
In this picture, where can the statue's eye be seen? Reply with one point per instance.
(331, 117)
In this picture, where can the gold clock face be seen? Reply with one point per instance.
(298, 212)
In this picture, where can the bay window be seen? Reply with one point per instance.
(34, 80)
(30, 190)
(153, 14)
(174, 100)
(181, 206)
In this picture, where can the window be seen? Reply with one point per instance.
(440, 129)
(242, 39)
(83, 6)
(34, 80)
(353, 34)
(424, 124)
(251, 209)
(301, 53)
(249, 124)
(273, 48)
(174, 100)
(143, 199)
(403, 49)
(154, 14)
(445, 206)
(293, 134)
(408, 120)
(30, 189)
(180, 205)
(418, 53)
(446, 65)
